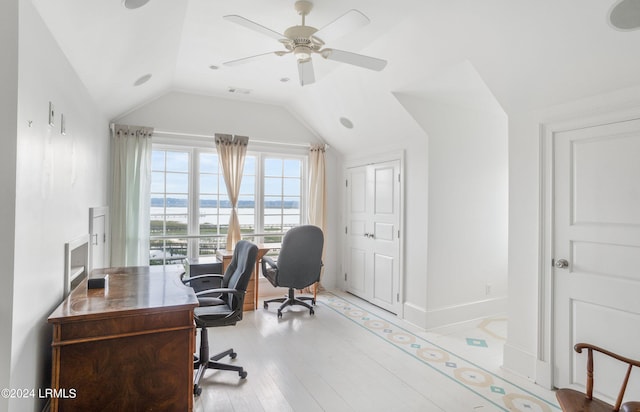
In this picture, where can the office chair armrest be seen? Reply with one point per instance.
(211, 275)
(269, 261)
(235, 292)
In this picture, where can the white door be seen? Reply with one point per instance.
(358, 216)
(597, 240)
(373, 233)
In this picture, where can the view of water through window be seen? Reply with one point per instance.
(190, 208)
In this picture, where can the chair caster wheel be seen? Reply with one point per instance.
(233, 355)
(197, 391)
(279, 314)
(243, 375)
(313, 302)
(266, 305)
(312, 312)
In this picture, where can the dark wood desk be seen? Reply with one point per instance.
(128, 347)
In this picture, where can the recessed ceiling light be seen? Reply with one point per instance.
(214, 67)
(134, 4)
(285, 79)
(346, 123)
(625, 15)
(142, 80)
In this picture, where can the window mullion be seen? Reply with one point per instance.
(259, 209)
(194, 196)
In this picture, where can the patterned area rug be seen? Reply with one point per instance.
(501, 393)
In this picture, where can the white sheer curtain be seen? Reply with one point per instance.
(317, 191)
(232, 150)
(130, 186)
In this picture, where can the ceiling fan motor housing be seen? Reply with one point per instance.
(302, 42)
(300, 34)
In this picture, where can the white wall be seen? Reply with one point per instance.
(184, 113)
(381, 126)
(521, 349)
(467, 212)
(205, 115)
(58, 179)
(8, 116)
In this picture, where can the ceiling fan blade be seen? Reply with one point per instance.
(305, 71)
(249, 59)
(348, 22)
(367, 62)
(253, 26)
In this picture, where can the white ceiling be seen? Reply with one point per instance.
(528, 53)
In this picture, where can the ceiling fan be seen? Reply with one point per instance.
(304, 41)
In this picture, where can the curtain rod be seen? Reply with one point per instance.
(204, 136)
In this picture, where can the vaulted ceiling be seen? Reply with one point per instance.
(528, 53)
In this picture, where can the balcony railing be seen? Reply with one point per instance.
(173, 249)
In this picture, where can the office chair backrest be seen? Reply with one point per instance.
(239, 271)
(300, 257)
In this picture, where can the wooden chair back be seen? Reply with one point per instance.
(573, 401)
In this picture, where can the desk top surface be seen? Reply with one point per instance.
(131, 289)
(262, 247)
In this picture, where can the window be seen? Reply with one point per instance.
(282, 195)
(190, 207)
(169, 205)
(214, 205)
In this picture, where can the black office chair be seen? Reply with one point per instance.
(299, 264)
(222, 307)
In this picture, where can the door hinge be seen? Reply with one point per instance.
(398, 297)
(345, 276)
(398, 177)
(346, 183)
(104, 238)
(346, 230)
(398, 234)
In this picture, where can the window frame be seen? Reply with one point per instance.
(260, 151)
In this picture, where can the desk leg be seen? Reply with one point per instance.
(257, 282)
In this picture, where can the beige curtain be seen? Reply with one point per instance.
(231, 150)
(317, 191)
(130, 187)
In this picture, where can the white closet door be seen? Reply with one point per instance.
(373, 243)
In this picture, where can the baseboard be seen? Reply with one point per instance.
(519, 361)
(462, 313)
(544, 377)
(415, 315)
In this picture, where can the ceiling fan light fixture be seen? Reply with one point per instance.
(303, 53)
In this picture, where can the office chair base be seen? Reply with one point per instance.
(290, 300)
(211, 362)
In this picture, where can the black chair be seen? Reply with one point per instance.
(299, 264)
(221, 307)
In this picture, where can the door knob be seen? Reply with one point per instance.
(562, 263)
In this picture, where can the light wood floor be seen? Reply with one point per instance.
(330, 362)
